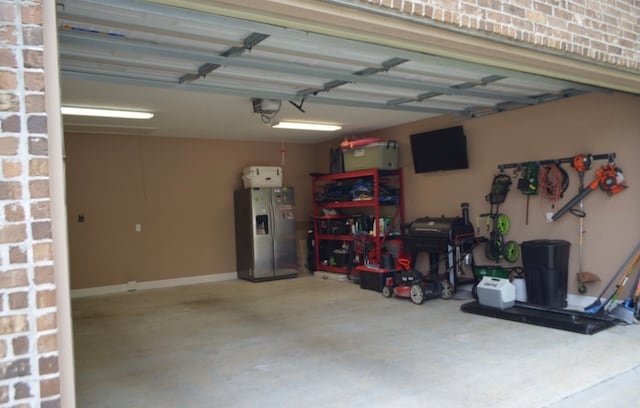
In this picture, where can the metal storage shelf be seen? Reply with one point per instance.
(334, 269)
(370, 207)
(350, 204)
(355, 174)
(330, 237)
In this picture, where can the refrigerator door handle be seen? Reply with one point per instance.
(274, 236)
(275, 224)
(273, 219)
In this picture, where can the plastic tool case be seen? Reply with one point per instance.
(373, 278)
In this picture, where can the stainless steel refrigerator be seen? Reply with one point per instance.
(265, 233)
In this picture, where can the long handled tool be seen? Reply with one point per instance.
(581, 163)
(632, 299)
(625, 311)
(636, 301)
(636, 293)
(623, 281)
(623, 272)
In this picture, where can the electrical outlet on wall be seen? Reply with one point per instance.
(138, 227)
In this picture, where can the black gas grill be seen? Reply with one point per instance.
(437, 235)
(434, 234)
(451, 237)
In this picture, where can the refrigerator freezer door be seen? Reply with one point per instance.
(254, 243)
(262, 220)
(244, 234)
(284, 231)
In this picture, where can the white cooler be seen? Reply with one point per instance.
(262, 176)
(496, 292)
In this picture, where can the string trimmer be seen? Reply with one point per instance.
(582, 163)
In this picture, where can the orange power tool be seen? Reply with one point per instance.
(609, 178)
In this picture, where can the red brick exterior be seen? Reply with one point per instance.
(29, 373)
(602, 30)
(606, 31)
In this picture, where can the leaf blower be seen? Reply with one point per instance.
(609, 178)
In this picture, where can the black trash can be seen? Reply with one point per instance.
(546, 270)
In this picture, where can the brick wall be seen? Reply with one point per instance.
(29, 373)
(603, 30)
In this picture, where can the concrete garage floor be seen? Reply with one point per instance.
(309, 342)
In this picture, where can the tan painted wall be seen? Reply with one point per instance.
(184, 200)
(181, 191)
(587, 124)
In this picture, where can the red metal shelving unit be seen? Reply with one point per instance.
(371, 207)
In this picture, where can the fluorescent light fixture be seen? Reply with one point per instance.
(105, 113)
(322, 127)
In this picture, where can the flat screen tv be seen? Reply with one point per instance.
(443, 149)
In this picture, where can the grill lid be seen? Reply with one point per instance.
(432, 227)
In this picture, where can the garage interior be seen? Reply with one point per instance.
(159, 316)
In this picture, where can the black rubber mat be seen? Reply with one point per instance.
(574, 321)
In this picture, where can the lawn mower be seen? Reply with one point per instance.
(496, 248)
(410, 283)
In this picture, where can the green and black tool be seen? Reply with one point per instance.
(528, 183)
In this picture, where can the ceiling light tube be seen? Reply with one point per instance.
(322, 127)
(105, 113)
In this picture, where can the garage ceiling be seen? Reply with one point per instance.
(199, 73)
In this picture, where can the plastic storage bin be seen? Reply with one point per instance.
(546, 271)
(378, 155)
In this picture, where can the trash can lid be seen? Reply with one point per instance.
(545, 243)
